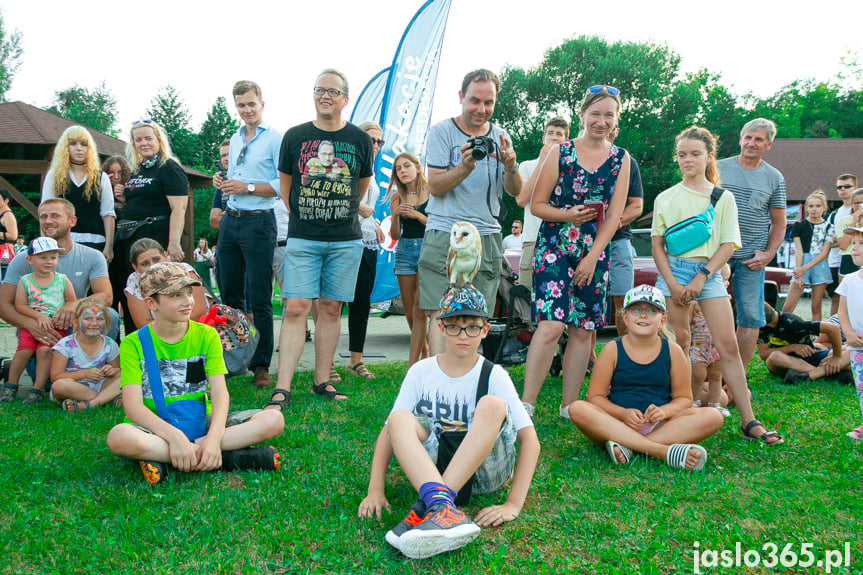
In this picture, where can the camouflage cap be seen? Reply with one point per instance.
(165, 277)
(460, 300)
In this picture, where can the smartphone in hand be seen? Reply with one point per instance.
(599, 208)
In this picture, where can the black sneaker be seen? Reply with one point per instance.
(844, 377)
(155, 472)
(411, 520)
(792, 376)
(264, 457)
(444, 528)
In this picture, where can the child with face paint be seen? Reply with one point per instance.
(39, 296)
(143, 254)
(86, 366)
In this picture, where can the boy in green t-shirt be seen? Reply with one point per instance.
(190, 361)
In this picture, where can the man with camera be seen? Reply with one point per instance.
(247, 230)
(471, 162)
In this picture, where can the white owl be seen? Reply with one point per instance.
(465, 253)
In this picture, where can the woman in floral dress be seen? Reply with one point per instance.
(570, 266)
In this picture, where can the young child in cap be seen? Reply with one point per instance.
(457, 396)
(639, 398)
(190, 364)
(40, 295)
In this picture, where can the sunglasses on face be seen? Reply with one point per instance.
(378, 142)
(844, 186)
(599, 88)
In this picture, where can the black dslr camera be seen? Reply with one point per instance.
(481, 146)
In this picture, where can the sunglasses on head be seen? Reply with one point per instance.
(599, 88)
(136, 122)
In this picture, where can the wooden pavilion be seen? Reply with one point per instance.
(27, 138)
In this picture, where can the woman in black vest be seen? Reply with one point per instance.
(76, 175)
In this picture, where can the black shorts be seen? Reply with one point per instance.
(834, 283)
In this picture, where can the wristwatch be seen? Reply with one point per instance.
(251, 188)
(705, 271)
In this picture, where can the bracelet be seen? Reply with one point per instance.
(512, 171)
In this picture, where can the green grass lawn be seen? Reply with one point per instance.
(69, 506)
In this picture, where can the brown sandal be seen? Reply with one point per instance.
(361, 370)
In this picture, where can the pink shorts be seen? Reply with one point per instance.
(26, 341)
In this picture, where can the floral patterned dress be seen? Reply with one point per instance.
(561, 245)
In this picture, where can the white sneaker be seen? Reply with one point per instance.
(564, 412)
(528, 408)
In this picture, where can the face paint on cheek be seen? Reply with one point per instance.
(93, 319)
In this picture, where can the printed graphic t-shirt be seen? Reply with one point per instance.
(78, 360)
(325, 169)
(184, 366)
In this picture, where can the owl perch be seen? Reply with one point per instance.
(465, 254)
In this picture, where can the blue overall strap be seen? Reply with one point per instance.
(153, 375)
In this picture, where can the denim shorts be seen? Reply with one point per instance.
(498, 466)
(322, 269)
(407, 254)
(818, 274)
(684, 270)
(621, 273)
(748, 294)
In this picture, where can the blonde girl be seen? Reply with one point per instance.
(77, 176)
(639, 399)
(693, 274)
(85, 368)
(408, 193)
(143, 254)
(812, 239)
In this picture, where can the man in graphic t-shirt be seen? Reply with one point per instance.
(324, 167)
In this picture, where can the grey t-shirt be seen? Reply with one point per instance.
(477, 198)
(81, 265)
(755, 191)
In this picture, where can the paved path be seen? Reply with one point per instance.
(387, 340)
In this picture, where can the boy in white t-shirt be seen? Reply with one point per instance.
(439, 396)
(851, 318)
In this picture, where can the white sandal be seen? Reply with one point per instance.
(677, 452)
(625, 451)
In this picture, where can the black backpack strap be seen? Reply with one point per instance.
(482, 386)
(715, 195)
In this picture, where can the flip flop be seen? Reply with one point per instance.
(625, 451)
(677, 452)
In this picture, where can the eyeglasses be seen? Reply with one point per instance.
(844, 186)
(242, 155)
(331, 92)
(599, 88)
(378, 142)
(455, 330)
(647, 310)
(136, 122)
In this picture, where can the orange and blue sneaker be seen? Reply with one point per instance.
(411, 520)
(155, 472)
(443, 528)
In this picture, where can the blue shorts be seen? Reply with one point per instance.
(322, 269)
(684, 270)
(407, 254)
(817, 274)
(621, 273)
(748, 289)
(815, 359)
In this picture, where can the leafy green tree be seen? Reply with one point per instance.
(218, 127)
(96, 108)
(169, 110)
(10, 57)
